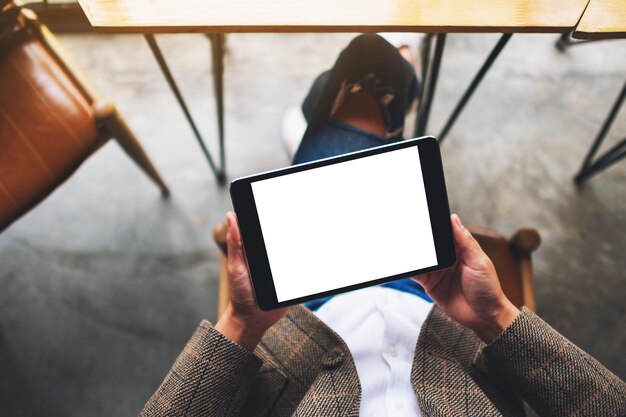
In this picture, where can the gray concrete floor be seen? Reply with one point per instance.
(102, 284)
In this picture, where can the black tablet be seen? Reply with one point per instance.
(346, 222)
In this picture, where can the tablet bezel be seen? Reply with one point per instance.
(254, 244)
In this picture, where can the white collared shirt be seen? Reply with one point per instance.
(380, 326)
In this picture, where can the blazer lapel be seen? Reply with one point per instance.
(322, 377)
(336, 391)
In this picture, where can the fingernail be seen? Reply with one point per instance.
(457, 220)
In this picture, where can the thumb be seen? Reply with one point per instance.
(465, 242)
(469, 249)
(236, 261)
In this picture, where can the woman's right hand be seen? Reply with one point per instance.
(243, 321)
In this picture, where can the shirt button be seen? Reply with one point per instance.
(399, 405)
(392, 351)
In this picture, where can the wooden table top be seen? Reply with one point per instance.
(162, 16)
(603, 19)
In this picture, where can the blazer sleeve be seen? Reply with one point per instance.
(550, 373)
(211, 377)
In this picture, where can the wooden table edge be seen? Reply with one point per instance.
(325, 29)
(583, 34)
(83, 5)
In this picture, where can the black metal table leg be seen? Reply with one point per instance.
(477, 79)
(565, 40)
(430, 83)
(613, 155)
(424, 51)
(217, 49)
(154, 47)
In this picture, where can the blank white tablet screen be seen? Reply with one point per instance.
(344, 224)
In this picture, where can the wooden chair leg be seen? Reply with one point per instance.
(219, 235)
(224, 286)
(116, 127)
(524, 242)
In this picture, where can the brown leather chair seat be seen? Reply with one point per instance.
(50, 121)
(47, 128)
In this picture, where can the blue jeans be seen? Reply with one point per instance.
(369, 63)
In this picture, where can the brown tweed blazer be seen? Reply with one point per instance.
(302, 368)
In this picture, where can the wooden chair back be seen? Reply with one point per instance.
(511, 258)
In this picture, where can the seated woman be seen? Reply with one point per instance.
(446, 343)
